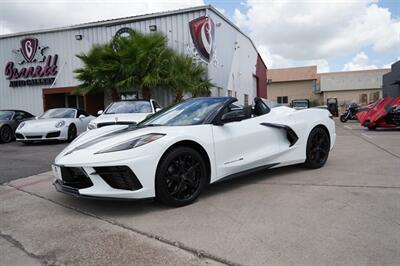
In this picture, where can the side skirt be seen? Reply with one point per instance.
(246, 172)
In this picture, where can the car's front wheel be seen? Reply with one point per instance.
(72, 133)
(318, 146)
(6, 134)
(181, 176)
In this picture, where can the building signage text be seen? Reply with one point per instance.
(23, 73)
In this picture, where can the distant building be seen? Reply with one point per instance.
(287, 84)
(391, 81)
(362, 87)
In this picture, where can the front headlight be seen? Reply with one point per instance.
(136, 142)
(92, 125)
(60, 124)
(21, 125)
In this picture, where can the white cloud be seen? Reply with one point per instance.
(24, 15)
(359, 62)
(278, 61)
(295, 31)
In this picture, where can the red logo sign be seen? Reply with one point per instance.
(202, 30)
(29, 47)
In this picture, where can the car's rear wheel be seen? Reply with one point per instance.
(318, 146)
(71, 133)
(180, 177)
(6, 134)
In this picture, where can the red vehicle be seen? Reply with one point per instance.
(382, 113)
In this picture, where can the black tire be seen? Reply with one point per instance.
(180, 178)
(372, 127)
(318, 147)
(72, 133)
(343, 118)
(6, 134)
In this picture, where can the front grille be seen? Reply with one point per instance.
(53, 134)
(19, 136)
(119, 177)
(34, 137)
(115, 123)
(75, 177)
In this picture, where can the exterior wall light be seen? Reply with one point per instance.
(153, 27)
(78, 37)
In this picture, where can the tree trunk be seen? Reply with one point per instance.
(114, 95)
(178, 97)
(146, 93)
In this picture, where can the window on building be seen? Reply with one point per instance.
(373, 96)
(235, 94)
(230, 93)
(246, 99)
(363, 99)
(282, 99)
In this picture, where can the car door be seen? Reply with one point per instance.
(244, 145)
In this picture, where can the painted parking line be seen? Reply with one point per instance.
(348, 127)
(365, 135)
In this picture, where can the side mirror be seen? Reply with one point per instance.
(233, 116)
(82, 117)
(100, 112)
(158, 109)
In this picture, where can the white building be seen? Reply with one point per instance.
(38, 66)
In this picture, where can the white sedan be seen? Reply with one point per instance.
(125, 112)
(54, 124)
(175, 153)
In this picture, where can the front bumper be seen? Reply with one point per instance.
(41, 135)
(119, 181)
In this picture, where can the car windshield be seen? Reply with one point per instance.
(300, 104)
(58, 113)
(190, 112)
(124, 107)
(6, 115)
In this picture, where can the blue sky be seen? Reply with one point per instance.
(362, 57)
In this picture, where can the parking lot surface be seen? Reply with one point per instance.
(19, 160)
(347, 212)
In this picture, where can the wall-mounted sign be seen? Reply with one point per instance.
(202, 30)
(33, 66)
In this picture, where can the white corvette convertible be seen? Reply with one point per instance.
(175, 153)
(54, 124)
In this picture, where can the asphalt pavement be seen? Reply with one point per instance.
(346, 213)
(19, 160)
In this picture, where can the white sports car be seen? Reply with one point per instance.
(124, 112)
(54, 124)
(175, 153)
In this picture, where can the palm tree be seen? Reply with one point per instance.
(187, 77)
(99, 72)
(145, 59)
(140, 61)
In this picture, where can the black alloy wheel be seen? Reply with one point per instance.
(318, 146)
(181, 176)
(6, 134)
(72, 133)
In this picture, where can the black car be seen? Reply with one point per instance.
(9, 121)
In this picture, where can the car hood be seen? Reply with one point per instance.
(95, 140)
(2, 122)
(51, 122)
(131, 117)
